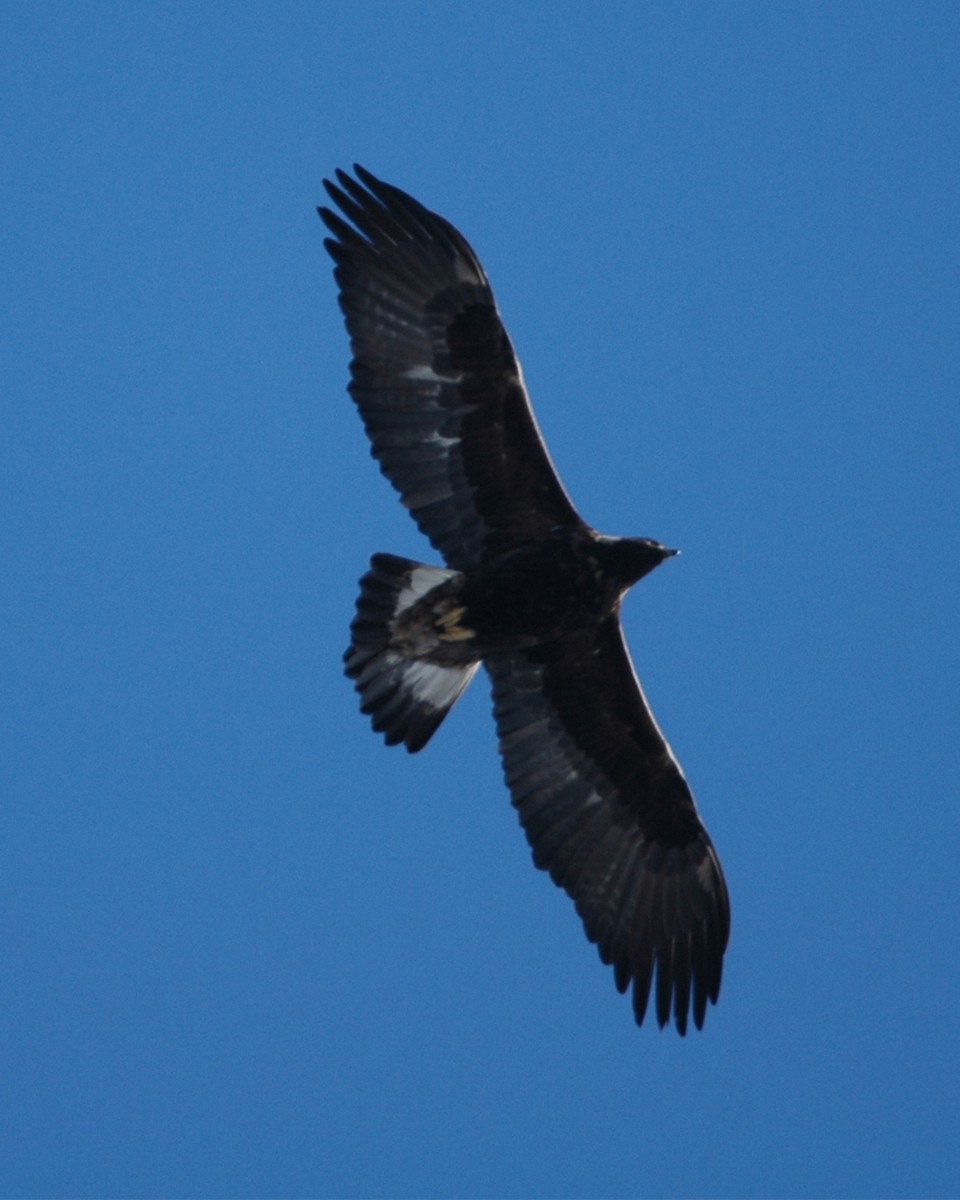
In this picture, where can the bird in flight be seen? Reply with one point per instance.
(529, 590)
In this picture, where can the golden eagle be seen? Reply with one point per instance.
(529, 590)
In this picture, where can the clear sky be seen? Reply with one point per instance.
(248, 950)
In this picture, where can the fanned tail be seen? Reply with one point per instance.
(405, 694)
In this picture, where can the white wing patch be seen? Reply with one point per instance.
(424, 373)
(437, 439)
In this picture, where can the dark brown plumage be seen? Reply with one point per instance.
(529, 589)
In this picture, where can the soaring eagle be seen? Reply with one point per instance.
(529, 590)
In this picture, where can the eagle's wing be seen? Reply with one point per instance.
(435, 377)
(608, 813)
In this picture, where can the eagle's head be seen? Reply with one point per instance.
(628, 559)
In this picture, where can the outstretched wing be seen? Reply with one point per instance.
(435, 377)
(608, 813)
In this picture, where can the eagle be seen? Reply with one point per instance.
(528, 589)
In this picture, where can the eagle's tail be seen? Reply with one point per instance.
(405, 693)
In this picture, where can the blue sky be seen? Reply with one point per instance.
(248, 950)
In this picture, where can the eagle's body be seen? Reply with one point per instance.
(529, 589)
(534, 593)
